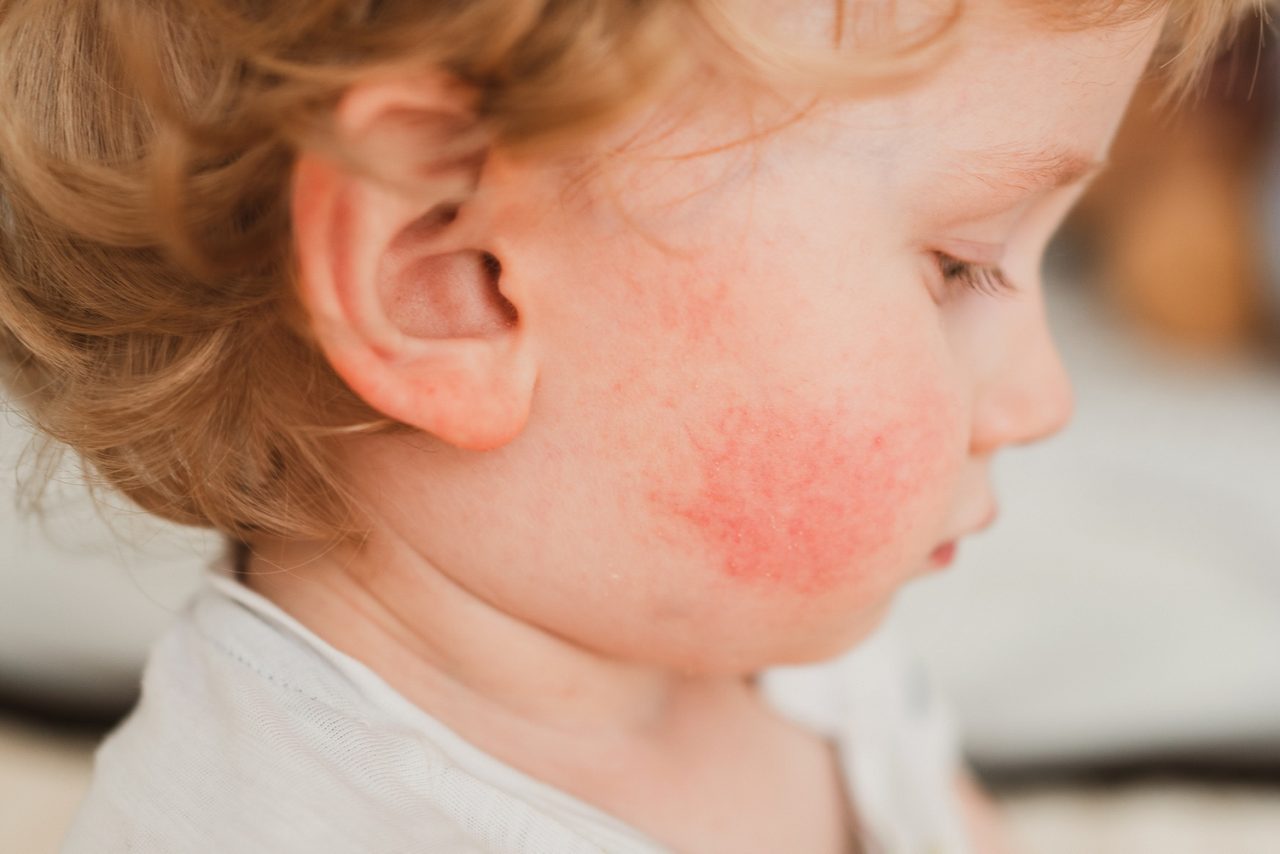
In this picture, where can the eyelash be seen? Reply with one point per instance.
(980, 278)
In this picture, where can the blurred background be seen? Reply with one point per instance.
(1111, 647)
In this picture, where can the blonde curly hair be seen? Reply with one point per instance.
(147, 317)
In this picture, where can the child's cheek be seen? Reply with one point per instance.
(789, 495)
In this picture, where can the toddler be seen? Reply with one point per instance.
(577, 381)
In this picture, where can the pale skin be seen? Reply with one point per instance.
(710, 415)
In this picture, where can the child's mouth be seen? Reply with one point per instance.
(943, 555)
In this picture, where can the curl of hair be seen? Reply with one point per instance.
(147, 315)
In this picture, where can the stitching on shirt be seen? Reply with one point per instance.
(199, 629)
(270, 677)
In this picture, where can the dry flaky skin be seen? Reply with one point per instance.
(146, 313)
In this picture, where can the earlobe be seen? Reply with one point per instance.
(405, 300)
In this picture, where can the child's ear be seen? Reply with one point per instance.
(398, 270)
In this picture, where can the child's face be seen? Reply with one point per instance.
(760, 407)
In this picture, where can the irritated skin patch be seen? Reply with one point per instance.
(796, 498)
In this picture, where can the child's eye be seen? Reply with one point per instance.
(982, 278)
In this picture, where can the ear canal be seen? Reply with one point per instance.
(447, 295)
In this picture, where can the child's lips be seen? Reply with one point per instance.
(944, 554)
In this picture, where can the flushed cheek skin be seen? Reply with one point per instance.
(791, 495)
(799, 497)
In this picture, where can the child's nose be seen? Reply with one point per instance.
(1028, 397)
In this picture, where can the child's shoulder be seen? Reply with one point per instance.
(253, 735)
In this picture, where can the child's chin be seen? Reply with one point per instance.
(838, 636)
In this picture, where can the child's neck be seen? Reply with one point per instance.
(470, 664)
(651, 747)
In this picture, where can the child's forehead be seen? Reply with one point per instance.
(1005, 113)
(878, 26)
(1034, 105)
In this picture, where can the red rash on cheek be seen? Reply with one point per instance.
(797, 498)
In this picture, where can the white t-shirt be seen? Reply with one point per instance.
(254, 735)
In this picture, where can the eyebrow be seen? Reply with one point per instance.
(1027, 170)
